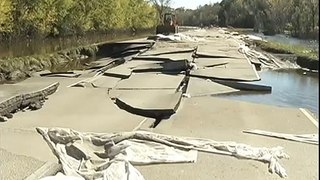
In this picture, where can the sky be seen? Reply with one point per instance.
(191, 4)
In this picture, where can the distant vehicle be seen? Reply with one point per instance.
(168, 24)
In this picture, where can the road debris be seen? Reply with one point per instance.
(32, 100)
(111, 156)
(304, 138)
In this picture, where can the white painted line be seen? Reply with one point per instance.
(310, 117)
(140, 124)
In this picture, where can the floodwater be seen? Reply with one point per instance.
(290, 88)
(26, 47)
(284, 39)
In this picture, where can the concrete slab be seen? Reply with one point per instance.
(14, 166)
(211, 62)
(169, 56)
(151, 81)
(33, 84)
(105, 82)
(83, 105)
(83, 109)
(245, 86)
(124, 70)
(120, 71)
(102, 63)
(99, 81)
(216, 54)
(174, 45)
(35, 81)
(202, 87)
(220, 44)
(237, 64)
(170, 48)
(156, 104)
(169, 67)
(224, 120)
(244, 74)
(219, 48)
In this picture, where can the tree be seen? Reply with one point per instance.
(161, 6)
(6, 16)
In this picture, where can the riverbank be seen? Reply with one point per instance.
(74, 56)
(304, 57)
(18, 68)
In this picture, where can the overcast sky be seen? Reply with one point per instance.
(191, 4)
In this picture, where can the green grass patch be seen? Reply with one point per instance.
(298, 50)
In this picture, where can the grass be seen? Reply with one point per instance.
(281, 48)
(45, 61)
(298, 50)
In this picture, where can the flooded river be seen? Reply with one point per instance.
(289, 89)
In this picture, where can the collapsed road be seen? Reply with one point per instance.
(168, 86)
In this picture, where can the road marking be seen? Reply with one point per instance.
(140, 124)
(310, 117)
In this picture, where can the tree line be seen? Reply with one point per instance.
(27, 18)
(298, 17)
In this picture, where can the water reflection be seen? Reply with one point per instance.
(289, 89)
(43, 46)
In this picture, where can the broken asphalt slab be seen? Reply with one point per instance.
(83, 109)
(115, 48)
(227, 74)
(224, 120)
(167, 57)
(166, 67)
(151, 81)
(202, 87)
(124, 70)
(211, 62)
(157, 104)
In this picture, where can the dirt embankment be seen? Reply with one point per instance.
(304, 61)
(18, 68)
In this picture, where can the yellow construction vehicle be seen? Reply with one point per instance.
(168, 24)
